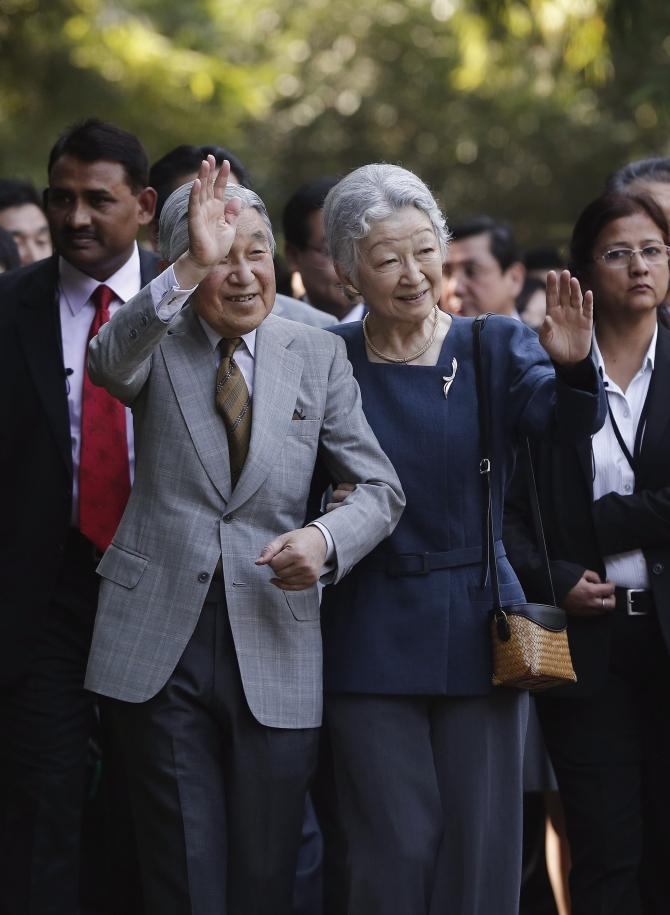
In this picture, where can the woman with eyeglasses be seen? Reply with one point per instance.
(606, 509)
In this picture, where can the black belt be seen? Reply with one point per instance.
(634, 602)
(408, 564)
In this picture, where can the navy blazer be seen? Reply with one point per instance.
(580, 532)
(391, 625)
(35, 448)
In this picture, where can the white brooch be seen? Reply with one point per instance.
(449, 379)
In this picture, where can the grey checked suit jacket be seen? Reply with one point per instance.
(182, 514)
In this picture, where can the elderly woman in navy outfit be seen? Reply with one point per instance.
(427, 755)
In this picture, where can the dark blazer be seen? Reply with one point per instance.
(35, 448)
(393, 625)
(580, 531)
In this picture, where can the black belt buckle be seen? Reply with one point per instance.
(630, 602)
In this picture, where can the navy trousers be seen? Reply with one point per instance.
(431, 796)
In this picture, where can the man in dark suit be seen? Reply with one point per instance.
(608, 735)
(66, 460)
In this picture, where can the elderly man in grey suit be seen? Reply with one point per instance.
(207, 637)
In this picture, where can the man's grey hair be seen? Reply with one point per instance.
(368, 194)
(173, 225)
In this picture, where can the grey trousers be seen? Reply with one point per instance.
(431, 796)
(218, 798)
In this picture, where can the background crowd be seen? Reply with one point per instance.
(67, 835)
(68, 840)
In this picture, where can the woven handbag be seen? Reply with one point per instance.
(529, 641)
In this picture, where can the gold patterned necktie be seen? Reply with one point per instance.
(234, 404)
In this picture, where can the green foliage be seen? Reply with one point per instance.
(515, 107)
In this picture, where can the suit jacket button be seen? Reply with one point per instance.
(203, 576)
(657, 568)
(132, 334)
(228, 519)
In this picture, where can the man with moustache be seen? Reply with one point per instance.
(207, 638)
(66, 460)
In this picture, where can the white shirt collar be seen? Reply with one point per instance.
(77, 287)
(356, 314)
(215, 337)
(647, 362)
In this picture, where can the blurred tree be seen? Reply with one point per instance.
(515, 107)
(519, 109)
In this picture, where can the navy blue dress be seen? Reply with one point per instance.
(389, 628)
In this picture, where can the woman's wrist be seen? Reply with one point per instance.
(576, 374)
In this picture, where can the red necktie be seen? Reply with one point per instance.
(104, 476)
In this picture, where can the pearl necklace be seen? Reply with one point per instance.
(403, 360)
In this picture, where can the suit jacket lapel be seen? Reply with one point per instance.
(585, 458)
(277, 374)
(658, 415)
(38, 326)
(191, 366)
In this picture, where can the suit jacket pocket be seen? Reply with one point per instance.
(304, 605)
(122, 567)
(304, 427)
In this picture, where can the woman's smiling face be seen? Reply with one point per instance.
(399, 270)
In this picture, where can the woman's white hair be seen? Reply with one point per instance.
(173, 225)
(368, 194)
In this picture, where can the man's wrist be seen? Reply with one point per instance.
(187, 272)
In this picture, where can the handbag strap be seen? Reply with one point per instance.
(490, 560)
(489, 565)
(537, 522)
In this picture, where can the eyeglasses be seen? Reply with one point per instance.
(621, 257)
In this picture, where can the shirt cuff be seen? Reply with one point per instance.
(330, 561)
(168, 296)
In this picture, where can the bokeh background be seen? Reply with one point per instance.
(518, 108)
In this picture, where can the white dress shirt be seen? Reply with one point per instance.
(77, 312)
(169, 298)
(613, 473)
(357, 313)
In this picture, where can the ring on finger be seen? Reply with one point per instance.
(602, 600)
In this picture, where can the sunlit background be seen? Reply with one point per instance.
(519, 109)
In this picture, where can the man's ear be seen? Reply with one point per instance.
(146, 201)
(515, 274)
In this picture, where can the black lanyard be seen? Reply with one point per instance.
(634, 458)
